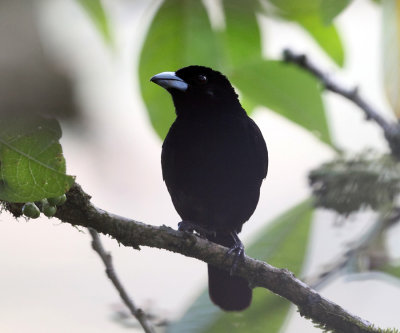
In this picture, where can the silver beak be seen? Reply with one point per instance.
(169, 80)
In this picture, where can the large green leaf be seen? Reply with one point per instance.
(32, 166)
(314, 15)
(332, 8)
(282, 243)
(326, 36)
(286, 90)
(296, 8)
(180, 35)
(241, 38)
(97, 13)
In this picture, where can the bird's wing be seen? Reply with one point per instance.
(168, 152)
(260, 149)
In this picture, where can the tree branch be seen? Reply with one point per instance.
(78, 211)
(107, 260)
(391, 130)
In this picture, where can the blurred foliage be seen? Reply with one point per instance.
(240, 41)
(390, 52)
(181, 34)
(316, 17)
(287, 90)
(392, 269)
(282, 243)
(347, 185)
(326, 36)
(32, 166)
(332, 8)
(323, 11)
(99, 17)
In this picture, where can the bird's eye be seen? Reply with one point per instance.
(201, 79)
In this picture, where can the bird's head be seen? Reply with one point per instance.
(198, 89)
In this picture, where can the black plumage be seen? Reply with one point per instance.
(214, 160)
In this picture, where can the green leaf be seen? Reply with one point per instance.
(180, 35)
(326, 36)
(99, 17)
(296, 8)
(282, 243)
(32, 166)
(332, 8)
(309, 14)
(286, 90)
(241, 38)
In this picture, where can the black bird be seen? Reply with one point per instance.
(214, 160)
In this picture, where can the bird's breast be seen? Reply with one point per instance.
(210, 170)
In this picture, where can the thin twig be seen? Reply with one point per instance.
(391, 130)
(107, 260)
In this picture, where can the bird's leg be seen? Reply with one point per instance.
(237, 250)
(189, 226)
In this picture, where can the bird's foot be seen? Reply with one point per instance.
(237, 251)
(188, 226)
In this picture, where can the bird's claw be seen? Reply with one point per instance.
(187, 226)
(237, 251)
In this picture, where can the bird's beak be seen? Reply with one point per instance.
(169, 80)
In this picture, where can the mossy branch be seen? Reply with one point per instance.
(78, 211)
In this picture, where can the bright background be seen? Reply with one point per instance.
(51, 280)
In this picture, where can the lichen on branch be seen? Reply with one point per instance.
(78, 211)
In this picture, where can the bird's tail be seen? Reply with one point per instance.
(230, 293)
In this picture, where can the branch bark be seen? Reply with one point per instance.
(391, 130)
(78, 211)
(110, 271)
